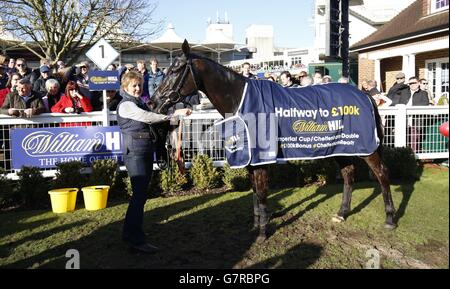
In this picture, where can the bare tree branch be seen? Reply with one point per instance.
(65, 29)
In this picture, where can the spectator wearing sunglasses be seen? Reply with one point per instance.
(22, 68)
(398, 85)
(423, 84)
(413, 96)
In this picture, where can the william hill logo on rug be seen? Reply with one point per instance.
(234, 143)
(303, 126)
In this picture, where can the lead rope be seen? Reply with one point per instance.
(178, 152)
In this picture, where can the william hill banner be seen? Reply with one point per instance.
(45, 147)
(278, 124)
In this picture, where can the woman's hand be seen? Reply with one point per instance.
(69, 109)
(183, 112)
(78, 95)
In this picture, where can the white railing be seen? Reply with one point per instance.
(417, 127)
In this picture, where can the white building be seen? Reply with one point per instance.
(259, 38)
(259, 41)
(365, 17)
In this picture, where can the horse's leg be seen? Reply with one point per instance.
(348, 173)
(380, 170)
(261, 185)
(255, 199)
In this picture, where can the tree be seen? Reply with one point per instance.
(65, 29)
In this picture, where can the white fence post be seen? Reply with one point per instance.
(400, 126)
(105, 111)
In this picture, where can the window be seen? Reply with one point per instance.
(437, 74)
(439, 5)
(296, 60)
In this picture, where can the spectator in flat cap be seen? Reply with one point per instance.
(39, 84)
(36, 73)
(398, 86)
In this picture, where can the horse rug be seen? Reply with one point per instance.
(277, 124)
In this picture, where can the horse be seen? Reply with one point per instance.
(224, 87)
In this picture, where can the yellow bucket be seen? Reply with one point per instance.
(63, 200)
(95, 197)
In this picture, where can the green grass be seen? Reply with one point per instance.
(214, 231)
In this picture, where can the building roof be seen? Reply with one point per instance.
(411, 22)
(169, 37)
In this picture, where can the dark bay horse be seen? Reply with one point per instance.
(224, 87)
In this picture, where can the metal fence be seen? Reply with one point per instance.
(417, 127)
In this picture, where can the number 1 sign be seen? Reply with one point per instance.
(102, 54)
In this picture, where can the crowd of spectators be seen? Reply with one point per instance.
(57, 88)
(49, 85)
(286, 79)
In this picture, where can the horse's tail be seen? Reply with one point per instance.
(380, 127)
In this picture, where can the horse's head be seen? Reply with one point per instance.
(178, 83)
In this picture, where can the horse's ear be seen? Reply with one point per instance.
(185, 47)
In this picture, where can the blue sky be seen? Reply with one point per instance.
(290, 19)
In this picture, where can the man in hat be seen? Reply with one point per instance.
(398, 85)
(39, 84)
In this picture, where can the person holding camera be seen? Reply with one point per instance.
(72, 101)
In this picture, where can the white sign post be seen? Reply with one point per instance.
(103, 54)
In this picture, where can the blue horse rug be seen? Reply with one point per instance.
(277, 124)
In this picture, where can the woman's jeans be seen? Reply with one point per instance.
(139, 166)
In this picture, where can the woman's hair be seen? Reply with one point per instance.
(8, 83)
(71, 85)
(130, 76)
(51, 82)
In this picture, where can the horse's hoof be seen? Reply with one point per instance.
(337, 219)
(388, 226)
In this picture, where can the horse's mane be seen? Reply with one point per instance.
(227, 70)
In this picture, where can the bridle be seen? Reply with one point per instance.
(174, 94)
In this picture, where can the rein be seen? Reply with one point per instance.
(180, 84)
